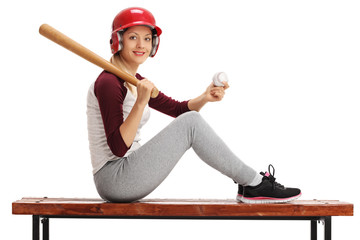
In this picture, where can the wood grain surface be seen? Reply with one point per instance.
(178, 207)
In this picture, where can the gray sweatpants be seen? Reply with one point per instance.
(134, 177)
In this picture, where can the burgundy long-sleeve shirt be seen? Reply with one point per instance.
(109, 104)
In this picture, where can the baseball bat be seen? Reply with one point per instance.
(73, 46)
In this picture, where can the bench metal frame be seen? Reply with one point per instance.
(45, 221)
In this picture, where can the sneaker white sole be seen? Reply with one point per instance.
(262, 200)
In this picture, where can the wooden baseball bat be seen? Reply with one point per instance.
(73, 46)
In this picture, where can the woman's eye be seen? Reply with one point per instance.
(133, 37)
(148, 39)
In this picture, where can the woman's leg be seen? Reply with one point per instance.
(142, 171)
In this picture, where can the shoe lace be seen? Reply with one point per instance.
(271, 177)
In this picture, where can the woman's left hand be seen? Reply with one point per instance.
(214, 94)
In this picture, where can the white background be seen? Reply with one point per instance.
(293, 102)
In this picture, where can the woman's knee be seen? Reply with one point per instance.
(190, 122)
(192, 116)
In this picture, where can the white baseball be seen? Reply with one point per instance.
(218, 78)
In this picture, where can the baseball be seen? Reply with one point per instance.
(218, 78)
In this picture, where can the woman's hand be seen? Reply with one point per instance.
(144, 89)
(214, 94)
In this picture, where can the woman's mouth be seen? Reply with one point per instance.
(139, 53)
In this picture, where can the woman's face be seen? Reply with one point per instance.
(137, 44)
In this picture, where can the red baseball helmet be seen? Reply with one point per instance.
(129, 17)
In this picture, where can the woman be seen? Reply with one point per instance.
(125, 171)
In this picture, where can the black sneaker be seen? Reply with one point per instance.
(268, 191)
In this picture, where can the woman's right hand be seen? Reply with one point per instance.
(144, 89)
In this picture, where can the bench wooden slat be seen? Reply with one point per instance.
(178, 208)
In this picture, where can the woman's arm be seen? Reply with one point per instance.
(129, 127)
(197, 103)
(212, 94)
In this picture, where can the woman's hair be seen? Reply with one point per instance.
(116, 60)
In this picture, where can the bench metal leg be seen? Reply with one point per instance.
(313, 233)
(45, 222)
(36, 227)
(327, 230)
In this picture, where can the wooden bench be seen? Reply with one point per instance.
(42, 209)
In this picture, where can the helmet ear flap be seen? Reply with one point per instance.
(116, 42)
(119, 35)
(155, 45)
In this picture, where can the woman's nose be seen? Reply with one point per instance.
(140, 43)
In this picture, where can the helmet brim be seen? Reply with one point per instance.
(140, 23)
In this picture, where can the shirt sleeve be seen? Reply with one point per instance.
(168, 106)
(110, 92)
